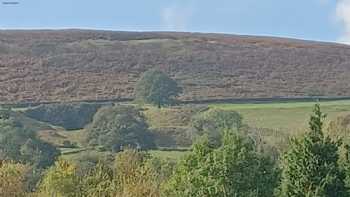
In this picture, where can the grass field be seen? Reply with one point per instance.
(285, 116)
(174, 155)
(75, 154)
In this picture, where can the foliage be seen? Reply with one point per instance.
(233, 169)
(213, 122)
(88, 160)
(155, 87)
(22, 146)
(119, 126)
(310, 167)
(69, 116)
(133, 177)
(12, 179)
(99, 181)
(339, 128)
(60, 180)
(19, 144)
(163, 166)
(225, 162)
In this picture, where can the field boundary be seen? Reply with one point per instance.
(204, 101)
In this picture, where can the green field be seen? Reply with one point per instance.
(285, 116)
(74, 153)
(174, 155)
(285, 119)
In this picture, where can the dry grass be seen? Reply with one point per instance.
(58, 137)
(93, 65)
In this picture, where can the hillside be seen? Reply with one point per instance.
(67, 65)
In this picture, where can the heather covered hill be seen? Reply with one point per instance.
(67, 65)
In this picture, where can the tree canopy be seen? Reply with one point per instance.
(214, 122)
(131, 176)
(233, 169)
(21, 145)
(310, 167)
(12, 179)
(120, 126)
(156, 88)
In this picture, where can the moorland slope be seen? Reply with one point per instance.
(73, 65)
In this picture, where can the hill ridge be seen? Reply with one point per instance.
(73, 65)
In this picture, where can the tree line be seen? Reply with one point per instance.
(313, 165)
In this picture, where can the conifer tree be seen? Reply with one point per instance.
(310, 167)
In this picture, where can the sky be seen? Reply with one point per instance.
(324, 20)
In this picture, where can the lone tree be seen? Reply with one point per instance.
(310, 167)
(156, 88)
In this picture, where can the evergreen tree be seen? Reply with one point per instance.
(310, 167)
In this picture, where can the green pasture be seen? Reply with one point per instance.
(285, 116)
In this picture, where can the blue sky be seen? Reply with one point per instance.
(326, 20)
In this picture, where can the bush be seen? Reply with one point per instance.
(68, 116)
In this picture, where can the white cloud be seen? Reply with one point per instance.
(343, 16)
(176, 18)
